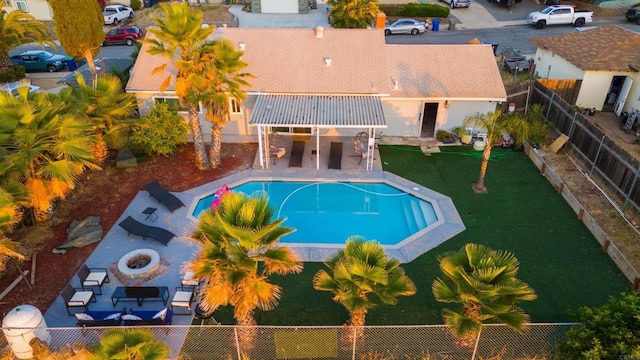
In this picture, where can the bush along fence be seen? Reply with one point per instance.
(537, 341)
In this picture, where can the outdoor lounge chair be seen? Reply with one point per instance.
(163, 196)
(77, 298)
(335, 156)
(93, 277)
(133, 226)
(297, 152)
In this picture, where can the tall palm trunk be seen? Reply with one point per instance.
(5, 62)
(479, 187)
(355, 331)
(202, 159)
(216, 146)
(247, 332)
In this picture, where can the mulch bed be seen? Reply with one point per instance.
(106, 194)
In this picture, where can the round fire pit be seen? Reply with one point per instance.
(139, 263)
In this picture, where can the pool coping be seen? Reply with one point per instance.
(448, 225)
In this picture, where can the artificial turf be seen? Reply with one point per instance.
(521, 213)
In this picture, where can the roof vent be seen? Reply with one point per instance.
(327, 61)
(319, 32)
(395, 85)
(242, 45)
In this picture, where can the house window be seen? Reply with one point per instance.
(22, 5)
(234, 106)
(173, 103)
(291, 130)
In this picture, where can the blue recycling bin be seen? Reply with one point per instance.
(71, 64)
(435, 24)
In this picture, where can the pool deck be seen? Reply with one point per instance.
(181, 249)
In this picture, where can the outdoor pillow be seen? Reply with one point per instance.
(114, 316)
(160, 314)
(84, 317)
(130, 317)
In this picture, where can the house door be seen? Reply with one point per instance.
(429, 115)
(622, 96)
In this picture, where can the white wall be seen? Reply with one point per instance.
(633, 100)
(403, 116)
(39, 9)
(594, 89)
(459, 110)
(552, 66)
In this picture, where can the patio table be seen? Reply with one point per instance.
(140, 294)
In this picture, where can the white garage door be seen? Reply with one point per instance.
(279, 6)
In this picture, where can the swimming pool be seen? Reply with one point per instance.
(330, 212)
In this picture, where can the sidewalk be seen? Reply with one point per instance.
(477, 17)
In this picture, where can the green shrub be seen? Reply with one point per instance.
(416, 10)
(16, 73)
(159, 132)
(442, 134)
(606, 332)
(136, 4)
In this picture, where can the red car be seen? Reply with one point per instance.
(123, 35)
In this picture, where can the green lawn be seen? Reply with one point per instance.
(522, 213)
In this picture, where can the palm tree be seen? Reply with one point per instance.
(484, 281)
(51, 146)
(496, 124)
(10, 215)
(108, 108)
(218, 78)
(133, 344)
(352, 14)
(359, 271)
(179, 35)
(240, 251)
(19, 28)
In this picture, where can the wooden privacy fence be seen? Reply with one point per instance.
(607, 245)
(605, 161)
(567, 89)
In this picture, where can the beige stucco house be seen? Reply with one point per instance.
(606, 59)
(339, 82)
(39, 9)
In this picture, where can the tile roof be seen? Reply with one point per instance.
(348, 62)
(608, 48)
(325, 111)
(445, 71)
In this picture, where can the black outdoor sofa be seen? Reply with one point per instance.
(335, 156)
(100, 318)
(163, 196)
(133, 226)
(297, 152)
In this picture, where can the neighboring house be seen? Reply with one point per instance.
(606, 59)
(39, 9)
(340, 82)
(280, 6)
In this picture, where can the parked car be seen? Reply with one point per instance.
(39, 60)
(458, 3)
(123, 35)
(13, 87)
(113, 14)
(406, 26)
(633, 15)
(559, 14)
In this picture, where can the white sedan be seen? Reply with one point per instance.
(406, 26)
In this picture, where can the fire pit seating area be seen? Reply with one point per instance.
(140, 294)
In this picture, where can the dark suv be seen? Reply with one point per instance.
(633, 15)
(123, 35)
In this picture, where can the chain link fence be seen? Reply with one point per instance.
(425, 342)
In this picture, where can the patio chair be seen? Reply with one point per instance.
(77, 298)
(335, 156)
(297, 152)
(93, 277)
(183, 298)
(163, 196)
(133, 226)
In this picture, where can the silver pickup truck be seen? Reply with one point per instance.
(559, 14)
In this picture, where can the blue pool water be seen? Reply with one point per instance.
(329, 213)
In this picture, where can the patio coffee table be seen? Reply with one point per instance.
(140, 294)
